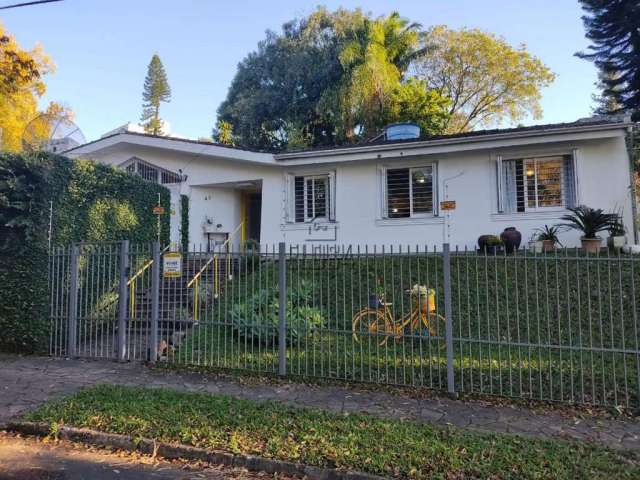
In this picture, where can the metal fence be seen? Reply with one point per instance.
(559, 326)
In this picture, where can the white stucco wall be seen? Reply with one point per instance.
(602, 171)
(603, 175)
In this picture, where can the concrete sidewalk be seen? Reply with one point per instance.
(26, 382)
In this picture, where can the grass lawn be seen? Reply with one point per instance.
(560, 327)
(356, 442)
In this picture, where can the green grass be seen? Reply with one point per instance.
(313, 437)
(561, 327)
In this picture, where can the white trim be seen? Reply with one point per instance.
(396, 222)
(500, 175)
(575, 157)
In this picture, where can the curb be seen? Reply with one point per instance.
(179, 451)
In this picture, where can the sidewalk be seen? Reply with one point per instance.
(26, 382)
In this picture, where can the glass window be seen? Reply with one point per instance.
(409, 192)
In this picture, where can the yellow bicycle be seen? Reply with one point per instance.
(381, 323)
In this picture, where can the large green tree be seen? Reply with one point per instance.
(488, 81)
(613, 26)
(155, 91)
(327, 79)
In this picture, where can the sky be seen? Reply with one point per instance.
(101, 49)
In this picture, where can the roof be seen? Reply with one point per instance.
(256, 156)
(489, 134)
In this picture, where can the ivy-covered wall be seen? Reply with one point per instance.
(90, 202)
(184, 222)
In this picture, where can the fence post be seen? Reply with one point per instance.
(155, 302)
(123, 300)
(282, 309)
(73, 302)
(448, 314)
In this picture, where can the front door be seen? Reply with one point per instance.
(254, 215)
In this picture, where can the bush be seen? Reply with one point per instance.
(88, 201)
(257, 318)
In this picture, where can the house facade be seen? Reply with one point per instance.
(403, 192)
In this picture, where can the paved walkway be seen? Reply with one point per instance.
(26, 382)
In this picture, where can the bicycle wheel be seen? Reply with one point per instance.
(371, 322)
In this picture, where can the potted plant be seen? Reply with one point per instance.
(589, 221)
(617, 234)
(549, 238)
(376, 299)
(489, 244)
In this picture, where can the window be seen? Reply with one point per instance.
(409, 192)
(537, 184)
(311, 197)
(151, 173)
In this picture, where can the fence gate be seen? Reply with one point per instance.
(98, 300)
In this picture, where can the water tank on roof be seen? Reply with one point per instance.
(401, 131)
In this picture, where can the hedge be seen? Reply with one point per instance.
(90, 202)
(184, 222)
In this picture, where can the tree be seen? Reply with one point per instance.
(613, 26)
(156, 90)
(327, 79)
(608, 101)
(374, 57)
(21, 85)
(413, 101)
(487, 80)
(223, 133)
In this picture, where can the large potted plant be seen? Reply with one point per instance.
(489, 244)
(548, 235)
(589, 221)
(617, 234)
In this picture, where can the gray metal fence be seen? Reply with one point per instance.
(559, 326)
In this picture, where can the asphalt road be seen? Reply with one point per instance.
(34, 459)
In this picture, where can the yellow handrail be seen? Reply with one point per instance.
(195, 281)
(132, 284)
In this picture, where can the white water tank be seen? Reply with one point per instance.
(401, 131)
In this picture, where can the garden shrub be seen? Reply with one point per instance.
(257, 317)
(89, 202)
(184, 222)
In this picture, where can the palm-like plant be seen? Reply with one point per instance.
(374, 56)
(590, 221)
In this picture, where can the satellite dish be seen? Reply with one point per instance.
(52, 132)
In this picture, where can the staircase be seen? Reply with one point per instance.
(177, 302)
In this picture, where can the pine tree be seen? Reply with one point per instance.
(613, 26)
(156, 90)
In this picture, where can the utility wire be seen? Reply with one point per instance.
(27, 4)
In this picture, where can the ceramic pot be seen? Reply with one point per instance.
(548, 246)
(511, 239)
(617, 242)
(591, 245)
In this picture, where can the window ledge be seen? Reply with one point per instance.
(394, 222)
(529, 215)
(307, 225)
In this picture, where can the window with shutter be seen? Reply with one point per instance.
(312, 198)
(538, 183)
(409, 192)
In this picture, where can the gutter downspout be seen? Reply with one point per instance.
(632, 177)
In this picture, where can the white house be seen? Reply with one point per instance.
(450, 188)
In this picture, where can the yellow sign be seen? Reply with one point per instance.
(172, 265)
(158, 210)
(448, 205)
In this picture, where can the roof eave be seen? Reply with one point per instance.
(452, 141)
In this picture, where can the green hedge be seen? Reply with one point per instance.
(184, 222)
(89, 202)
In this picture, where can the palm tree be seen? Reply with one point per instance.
(375, 55)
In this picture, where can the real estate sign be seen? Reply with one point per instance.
(172, 265)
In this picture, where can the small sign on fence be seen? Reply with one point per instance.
(172, 265)
(158, 210)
